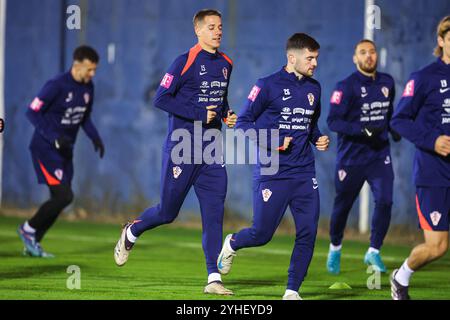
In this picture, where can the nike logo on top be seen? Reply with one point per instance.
(363, 95)
(442, 90)
(202, 73)
(368, 132)
(286, 98)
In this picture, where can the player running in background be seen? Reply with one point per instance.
(194, 89)
(62, 106)
(288, 100)
(423, 117)
(360, 109)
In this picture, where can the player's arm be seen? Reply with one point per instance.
(167, 99)
(255, 105)
(91, 131)
(38, 107)
(340, 104)
(404, 118)
(395, 136)
(229, 117)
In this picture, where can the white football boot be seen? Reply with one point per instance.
(226, 256)
(120, 251)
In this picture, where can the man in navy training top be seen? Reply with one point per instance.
(423, 117)
(194, 89)
(62, 106)
(360, 109)
(288, 100)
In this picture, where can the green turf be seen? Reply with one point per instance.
(168, 263)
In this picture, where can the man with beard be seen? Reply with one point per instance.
(360, 110)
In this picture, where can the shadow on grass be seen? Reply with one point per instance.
(33, 271)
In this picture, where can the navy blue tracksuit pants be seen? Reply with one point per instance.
(349, 181)
(270, 201)
(210, 184)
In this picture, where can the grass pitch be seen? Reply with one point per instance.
(168, 263)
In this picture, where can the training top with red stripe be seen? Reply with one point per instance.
(422, 115)
(61, 107)
(195, 80)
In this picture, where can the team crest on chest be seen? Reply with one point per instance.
(176, 172)
(385, 91)
(311, 99)
(225, 73)
(266, 193)
(86, 97)
(342, 174)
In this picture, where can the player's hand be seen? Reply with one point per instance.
(98, 146)
(322, 143)
(371, 131)
(2, 125)
(286, 143)
(231, 119)
(210, 115)
(442, 145)
(395, 136)
(64, 145)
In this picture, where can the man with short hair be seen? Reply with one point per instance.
(360, 109)
(288, 101)
(423, 117)
(193, 91)
(62, 106)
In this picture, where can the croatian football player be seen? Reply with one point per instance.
(360, 110)
(62, 106)
(194, 90)
(423, 117)
(288, 101)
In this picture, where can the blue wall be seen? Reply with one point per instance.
(148, 35)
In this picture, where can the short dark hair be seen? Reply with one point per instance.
(301, 41)
(200, 15)
(365, 41)
(85, 52)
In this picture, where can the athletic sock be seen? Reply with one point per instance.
(372, 249)
(214, 277)
(403, 274)
(335, 248)
(28, 228)
(289, 291)
(228, 245)
(130, 239)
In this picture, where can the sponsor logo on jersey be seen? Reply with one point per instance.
(69, 96)
(336, 97)
(409, 89)
(315, 184)
(254, 93)
(387, 160)
(166, 81)
(36, 104)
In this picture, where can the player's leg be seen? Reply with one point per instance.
(211, 189)
(348, 182)
(270, 200)
(305, 208)
(433, 209)
(50, 170)
(176, 180)
(380, 177)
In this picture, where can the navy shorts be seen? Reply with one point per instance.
(51, 168)
(433, 208)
